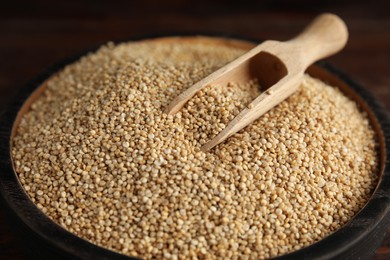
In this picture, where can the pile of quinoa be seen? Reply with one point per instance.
(98, 155)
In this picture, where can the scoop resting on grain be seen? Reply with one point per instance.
(99, 156)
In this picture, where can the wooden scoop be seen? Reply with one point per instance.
(278, 66)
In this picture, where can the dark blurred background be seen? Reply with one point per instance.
(37, 34)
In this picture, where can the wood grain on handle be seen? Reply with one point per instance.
(325, 36)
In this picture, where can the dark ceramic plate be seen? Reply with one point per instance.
(44, 239)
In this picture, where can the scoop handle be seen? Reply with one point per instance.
(326, 35)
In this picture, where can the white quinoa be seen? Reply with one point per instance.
(99, 156)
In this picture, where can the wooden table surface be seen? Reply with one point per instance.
(37, 34)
